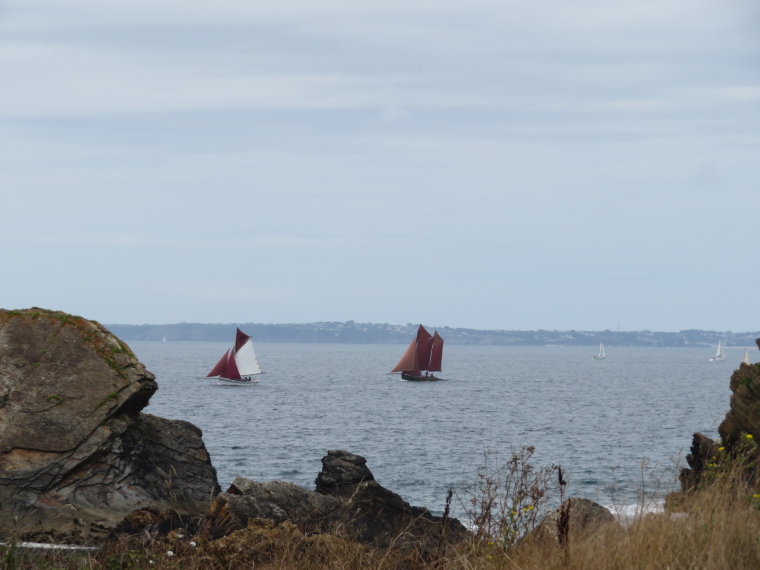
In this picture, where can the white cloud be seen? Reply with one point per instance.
(583, 14)
(744, 93)
(324, 138)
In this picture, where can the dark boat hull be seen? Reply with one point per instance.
(420, 378)
(241, 381)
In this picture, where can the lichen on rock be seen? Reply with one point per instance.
(75, 450)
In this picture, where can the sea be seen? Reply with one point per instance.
(620, 427)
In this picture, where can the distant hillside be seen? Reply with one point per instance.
(373, 333)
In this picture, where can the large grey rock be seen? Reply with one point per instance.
(584, 517)
(347, 495)
(76, 453)
(378, 515)
(277, 501)
(341, 472)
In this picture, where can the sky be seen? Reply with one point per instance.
(487, 164)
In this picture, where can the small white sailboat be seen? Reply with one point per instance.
(239, 364)
(720, 353)
(746, 358)
(601, 352)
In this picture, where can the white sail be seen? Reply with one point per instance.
(746, 357)
(246, 360)
(601, 352)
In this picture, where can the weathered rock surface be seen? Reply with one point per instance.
(277, 501)
(341, 473)
(378, 515)
(743, 418)
(702, 450)
(585, 518)
(76, 453)
(744, 411)
(347, 495)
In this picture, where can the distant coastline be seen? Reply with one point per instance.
(351, 332)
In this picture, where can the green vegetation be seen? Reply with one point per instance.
(104, 401)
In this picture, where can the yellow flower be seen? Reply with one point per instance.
(748, 436)
(756, 496)
(721, 449)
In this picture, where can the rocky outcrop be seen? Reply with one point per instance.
(377, 514)
(76, 453)
(743, 418)
(276, 501)
(347, 495)
(703, 449)
(341, 473)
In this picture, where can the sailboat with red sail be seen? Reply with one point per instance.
(239, 364)
(424, 354)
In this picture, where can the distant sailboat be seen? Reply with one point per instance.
(239, 363)
(600, 356)
(720, 353)
(424, 354)
(746, 357)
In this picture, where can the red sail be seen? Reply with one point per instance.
(436, 353)
(424, 344)
(240, 339)
(417, 355)
(232, 372)
(407, 362)
(220, 367)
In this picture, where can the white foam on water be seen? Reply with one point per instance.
(627, 514)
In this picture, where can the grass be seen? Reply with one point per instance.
(717, 526)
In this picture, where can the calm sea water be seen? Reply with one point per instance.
(615, 426)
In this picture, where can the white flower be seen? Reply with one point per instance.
(169, 553)
(193, 544)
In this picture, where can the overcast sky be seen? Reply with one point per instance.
(510, 164)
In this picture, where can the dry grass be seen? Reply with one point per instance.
(720, 530)
(716, 527)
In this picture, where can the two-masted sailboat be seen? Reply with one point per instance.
(239, 364)
(424, 354)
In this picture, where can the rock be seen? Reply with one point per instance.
(277, 501)
(703, 449)
(585, 518)
(347, 495)
(743, 416)
(378, 515)
(169, 523)
(76, 453)
(341, 472)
